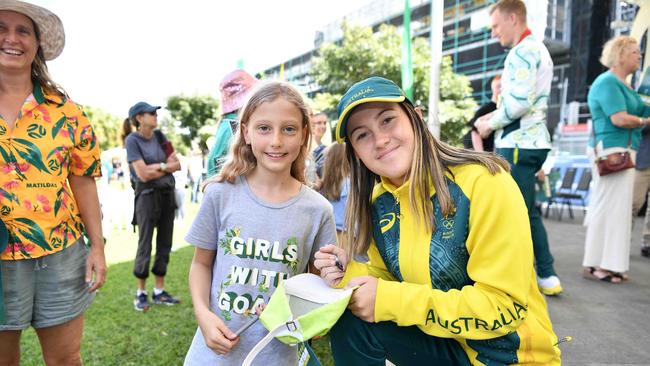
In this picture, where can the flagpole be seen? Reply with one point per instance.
(437, 8)
(407, 63)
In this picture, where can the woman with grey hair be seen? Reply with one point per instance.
(618, 114)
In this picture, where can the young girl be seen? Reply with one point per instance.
(258, 225)
(335, 185)
(450, 279)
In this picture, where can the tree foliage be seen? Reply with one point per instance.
(174, 133)
(362, 53)
(107, 127)
(192, 113)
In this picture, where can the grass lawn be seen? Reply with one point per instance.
(116, 334)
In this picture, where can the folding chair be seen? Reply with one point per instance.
(564, 197)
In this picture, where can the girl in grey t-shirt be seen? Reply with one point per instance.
(257, 226)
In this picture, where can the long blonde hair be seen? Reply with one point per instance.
(40, 74)
(241, 160)
(335, 170)
(431, 160)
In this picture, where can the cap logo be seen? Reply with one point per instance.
(360, 94)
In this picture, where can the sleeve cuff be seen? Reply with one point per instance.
(355, 269)
(387, 300)
(498, 121)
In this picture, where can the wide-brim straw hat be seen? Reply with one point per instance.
(50, 27)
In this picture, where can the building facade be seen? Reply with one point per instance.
(574, 32)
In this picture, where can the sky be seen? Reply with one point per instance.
(119, 52)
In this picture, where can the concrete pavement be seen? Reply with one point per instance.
(609, 323)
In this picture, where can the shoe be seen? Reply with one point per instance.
(645, 251)
(550, 286)
(165, 299)
(141, 303)
(596, 274)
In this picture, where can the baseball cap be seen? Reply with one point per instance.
(372, 89)
(301, 307)
(142, 107)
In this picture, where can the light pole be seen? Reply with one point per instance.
(437, 8)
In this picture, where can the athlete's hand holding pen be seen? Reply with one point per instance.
(332, 262)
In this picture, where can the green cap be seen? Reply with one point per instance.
(372, 89)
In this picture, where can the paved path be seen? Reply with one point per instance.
(610, 324)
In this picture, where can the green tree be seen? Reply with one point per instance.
(175, 134)
(107, 127)
(192, 113)
(362, 53)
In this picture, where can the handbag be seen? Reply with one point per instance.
(166, 145)
(301, 307)
(614, 162)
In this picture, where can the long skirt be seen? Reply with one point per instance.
(609, 220)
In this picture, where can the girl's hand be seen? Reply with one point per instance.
(326, 262)
(362, 303)
(218, 337)
(259, 309)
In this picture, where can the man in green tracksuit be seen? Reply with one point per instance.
(520, 120)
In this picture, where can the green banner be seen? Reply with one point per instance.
(407, 62)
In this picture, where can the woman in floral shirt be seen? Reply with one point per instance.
(49, 158)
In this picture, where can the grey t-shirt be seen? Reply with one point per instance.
(148, 150)
(257, 245)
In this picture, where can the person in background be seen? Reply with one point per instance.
(450, 278)
(234, 89)
(472, 139)
(642, 187)
(180, 177)
(314, 164)
(319, 127)
(49, 194)
(520, 121)
(258, 197)
(618, 115)
(336, 184)
(154, 204)
(195, 171)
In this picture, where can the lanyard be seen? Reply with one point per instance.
(526, 33)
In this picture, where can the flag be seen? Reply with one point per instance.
(407, 63)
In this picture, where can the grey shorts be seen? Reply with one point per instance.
(46, 291)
